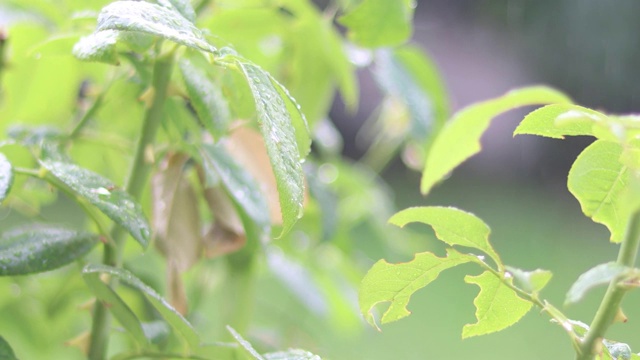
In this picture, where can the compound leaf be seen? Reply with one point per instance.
(6, 177)
(6, 352)
(497, 305)
(395, 283)
(548, 121)
(597, 179)
(452, 226)
(36, 249)
(599, 275)
(99, 46)
(377, 23)
(460, 137)
(117, 204)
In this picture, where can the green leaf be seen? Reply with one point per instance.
(117, 204)
(378, 23)
(280, 138)
(245, 345)
(460, 137)
(36, 249)
(598, 180)
(548, 121)
(6, 352)
(395, 283)
(152, 19)
(99, 46)
(184, 7)
(175, 320)
(207, 99)
(617, 350)
(6, 177)
(530, 281)
(239, 183)
(452, 226)
(497, 305)
(292, 354)
(599, 275)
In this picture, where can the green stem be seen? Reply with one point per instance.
(88, 115)
(610, 305)
(138, 176)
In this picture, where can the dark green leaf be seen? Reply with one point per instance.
(99, 46)
(245, 345)
(153, 19)
(530, 281)
(292, 354)
(37, 249)
(497, 305)
(6, 177)
(377, 23)
(596, 276)
(113, 202)
(172, 317)
(6, 353)
(207, 100)
(460, 137)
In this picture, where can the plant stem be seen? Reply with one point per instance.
(610, 305)
(138, 176)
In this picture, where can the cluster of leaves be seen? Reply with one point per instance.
(604, 179)
(229, 95)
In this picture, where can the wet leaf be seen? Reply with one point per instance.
(41, 248)
(460, 137)
(6, 353)
(377, 23)
(153, 19)
(599, 275)
(245, 345)
(99, 46)
(452, 226)
(6, 177)
(104, 195)
(497, 305)
(292, 354)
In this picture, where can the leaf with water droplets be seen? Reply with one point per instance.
(36, 249)
(6, 352)
(279, 135)
(175, 320)
(598, 275)
(245, 345)
(395, 283)
(99, 46)
(207, 99)
(117, 204)
(153, 19)
(377, 23)
(497, 305)
(6, 177)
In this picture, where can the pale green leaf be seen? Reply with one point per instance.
(279, 136)
(6, 352)
(598, 180)
(99, 46)
(497, 305)
(530, 281)
(395, 283)
(559, 120)
(184, 7)
(377, 23)
(36, 249)
(207, 99)
(152, 19)
(173, 318)
(245, 345)
(6, 177)
(599, 275)
(114, 202)
(617, 350)
(292, 354)
(298, 120)
(451, 225)
(460, 137)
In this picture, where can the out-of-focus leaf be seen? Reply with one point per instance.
(291, 354)
(544, 121)
(245, 345)
(599, 275)
(103, 194)
(153, 19)
(182, 6)
(6, 177)
(227, 233)
(156, 331)
(599, 181)
(37, 249)
(617, 350)
(451, 225)
(497, 305)
(460, 137)
(99, 46)
(377, 23)
(6, 352)
(395, 283)
(530, 281)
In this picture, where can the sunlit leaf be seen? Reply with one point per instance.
(152, 19)
(173, 318)
(292, 354)
(598, 180)
(451, 225)
(395, 283)
(377, 23)
(530, 281)
(6, 353)
(6, 177)
(245, 345)
(548, 121)
(99, 46)
(460, 137)
(599, 275)
(35, 249)
(497, 305)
